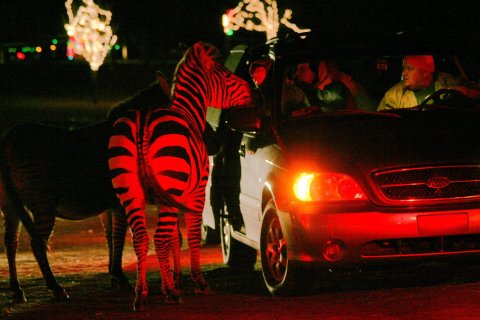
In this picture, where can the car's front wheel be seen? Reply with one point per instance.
(235, 253)
(280, 275)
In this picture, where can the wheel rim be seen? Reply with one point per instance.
(276, 251)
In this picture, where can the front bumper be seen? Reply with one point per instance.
(368, 238)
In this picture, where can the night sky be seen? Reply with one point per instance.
(155, 20)
(164, 23)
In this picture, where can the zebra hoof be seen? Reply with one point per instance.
(174, 297)
(202, 287)
(61, 295)
(19, 296)
(139, 304)
(204, 291)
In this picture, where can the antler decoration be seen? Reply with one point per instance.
(257, 15)
(90, 31)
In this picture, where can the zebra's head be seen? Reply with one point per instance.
(205, 76)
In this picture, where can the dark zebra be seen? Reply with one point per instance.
(159, 156)
(55, 172)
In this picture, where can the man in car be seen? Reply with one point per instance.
(418, 82)
(321, 90)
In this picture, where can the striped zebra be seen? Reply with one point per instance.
(159, 156)
(55, 172)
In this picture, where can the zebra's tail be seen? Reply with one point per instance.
(9, 194)
(155, 192)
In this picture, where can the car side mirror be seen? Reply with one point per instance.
(244, 119)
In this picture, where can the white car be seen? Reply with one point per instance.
(327, 187)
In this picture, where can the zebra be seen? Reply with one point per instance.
(63, 173)
(159, 156)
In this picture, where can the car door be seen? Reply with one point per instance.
(253, 171)
(255, 154)
(214, 118)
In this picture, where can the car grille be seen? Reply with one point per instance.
(429, 183)
(421, 246)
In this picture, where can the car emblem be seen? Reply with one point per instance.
(438, 182)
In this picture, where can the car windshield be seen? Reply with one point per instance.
(376, 82)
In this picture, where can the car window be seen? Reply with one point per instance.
(343, 83)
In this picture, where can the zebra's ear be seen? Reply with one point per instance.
(205, 53)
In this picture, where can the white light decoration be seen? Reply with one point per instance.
(90, 32)
(258, 15)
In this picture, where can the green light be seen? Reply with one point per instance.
(229, 32)
(117, 47)
(54, 41)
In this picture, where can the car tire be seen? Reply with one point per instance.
(280, 275)
(210, 235)
(235, 254)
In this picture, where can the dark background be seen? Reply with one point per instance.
(144, 23)
(53, 89)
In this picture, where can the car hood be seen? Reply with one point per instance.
(380, 140)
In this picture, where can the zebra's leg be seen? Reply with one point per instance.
(176, 251)
(177, 269)
(107, 223)
(138, 224)
(12, 231)
(137, 221)
(193, 222)
(44, 221)
(164, 239)
(124, 169)
(115, 225)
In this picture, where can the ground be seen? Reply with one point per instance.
(79, 259)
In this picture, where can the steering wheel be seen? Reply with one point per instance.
(447, 97)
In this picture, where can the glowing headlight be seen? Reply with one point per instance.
(327, 186)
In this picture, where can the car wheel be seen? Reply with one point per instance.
(235, 253)
(210, 235)
(281, 277)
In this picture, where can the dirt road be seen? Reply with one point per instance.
(79, 259)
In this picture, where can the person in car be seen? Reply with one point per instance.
(319, 89)
(293, 98)
(419, 80)
(362, 98)
(332, 91)
(259, 70)
(417, 83)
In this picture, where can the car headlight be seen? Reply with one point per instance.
(327, 186)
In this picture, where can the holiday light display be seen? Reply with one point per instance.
(89, 32)
(257, 15)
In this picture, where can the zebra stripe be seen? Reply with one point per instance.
(160, 156)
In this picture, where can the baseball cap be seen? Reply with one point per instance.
(422, 62)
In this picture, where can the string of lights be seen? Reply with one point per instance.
(90, 33)
(257, 15)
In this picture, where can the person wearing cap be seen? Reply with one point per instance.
(259, 70)
(417, 83)
(321, 90)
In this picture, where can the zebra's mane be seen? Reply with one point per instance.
(193, 56)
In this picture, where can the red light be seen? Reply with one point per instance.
(334, 250)
(327, 186)
(349, 189)
(21, 55)
(70, 52)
